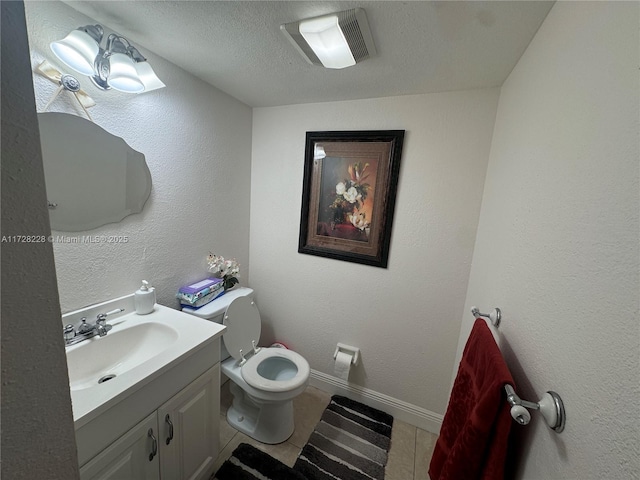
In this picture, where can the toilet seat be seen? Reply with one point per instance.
(266, 369)
(276, 370)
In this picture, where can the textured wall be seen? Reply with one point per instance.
(197, 143)
(557, 244)
(405, 318)
(37, 430)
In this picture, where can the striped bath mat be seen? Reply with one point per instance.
(249, 463)
(351, 442)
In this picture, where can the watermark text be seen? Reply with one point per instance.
(84, 239)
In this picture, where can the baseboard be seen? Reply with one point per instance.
(407, 412)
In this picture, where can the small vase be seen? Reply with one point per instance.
(229, 283)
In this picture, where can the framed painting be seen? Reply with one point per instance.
(348, 195)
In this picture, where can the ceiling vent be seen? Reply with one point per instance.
(337, 40)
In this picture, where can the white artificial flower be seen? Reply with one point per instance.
(341, 188)
(235, 268)
(222, 268)
(216, 263)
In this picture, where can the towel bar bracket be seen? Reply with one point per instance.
(495, 316)
(551, 406)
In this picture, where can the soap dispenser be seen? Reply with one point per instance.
(145, 299)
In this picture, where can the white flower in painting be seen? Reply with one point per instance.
(351, 195)
(341, 188)
(358, 220)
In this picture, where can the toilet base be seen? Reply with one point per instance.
(264, 421)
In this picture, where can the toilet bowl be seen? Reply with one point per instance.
(264, 381)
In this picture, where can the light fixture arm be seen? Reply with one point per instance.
(94, 31)
(101, 68)
(135, 54)
(115, 44)
(119, 44)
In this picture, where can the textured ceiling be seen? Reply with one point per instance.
(237, 46)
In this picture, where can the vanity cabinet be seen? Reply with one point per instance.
(128, 457)
(178, 441)
(189, 426)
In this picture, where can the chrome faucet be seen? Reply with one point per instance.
(86, 330)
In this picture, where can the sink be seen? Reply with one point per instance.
(138, 352)
(100, 359)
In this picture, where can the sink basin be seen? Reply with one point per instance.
(100, 359)
(138, 351)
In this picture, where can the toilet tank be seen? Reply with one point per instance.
(214, 311)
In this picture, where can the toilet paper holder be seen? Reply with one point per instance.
(354, 352)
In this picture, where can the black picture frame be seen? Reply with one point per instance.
(349, 194)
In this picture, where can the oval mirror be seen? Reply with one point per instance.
(92, 177)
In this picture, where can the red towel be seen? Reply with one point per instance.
(473, 439)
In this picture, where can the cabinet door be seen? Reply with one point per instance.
(134, 456)
(194, 417)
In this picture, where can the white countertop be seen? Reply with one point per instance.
(187, 334)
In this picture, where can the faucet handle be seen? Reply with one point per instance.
(102, 317)
(101, 324)
(84, 327)
(69, 332)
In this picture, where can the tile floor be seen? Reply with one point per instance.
(409, 456)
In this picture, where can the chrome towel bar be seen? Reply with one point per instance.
(550, 405)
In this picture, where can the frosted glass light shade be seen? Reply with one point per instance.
(123, 75)
(148, 77)
(77, 50)
(324, 36)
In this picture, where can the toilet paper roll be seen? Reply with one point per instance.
(342, 366)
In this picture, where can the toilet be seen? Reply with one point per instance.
(264, 381)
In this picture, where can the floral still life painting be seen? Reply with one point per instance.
(350, 197)
(349, 194)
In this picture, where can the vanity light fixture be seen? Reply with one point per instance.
(119, 65)
(337, 40)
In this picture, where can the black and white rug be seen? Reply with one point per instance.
(351, 442)
(249, 463)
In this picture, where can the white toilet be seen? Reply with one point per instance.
(264, 380)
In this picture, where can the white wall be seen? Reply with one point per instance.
(38, 439)
(405, 318)
(196, 140)
(557, 244)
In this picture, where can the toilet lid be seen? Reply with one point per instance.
(242, 320)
